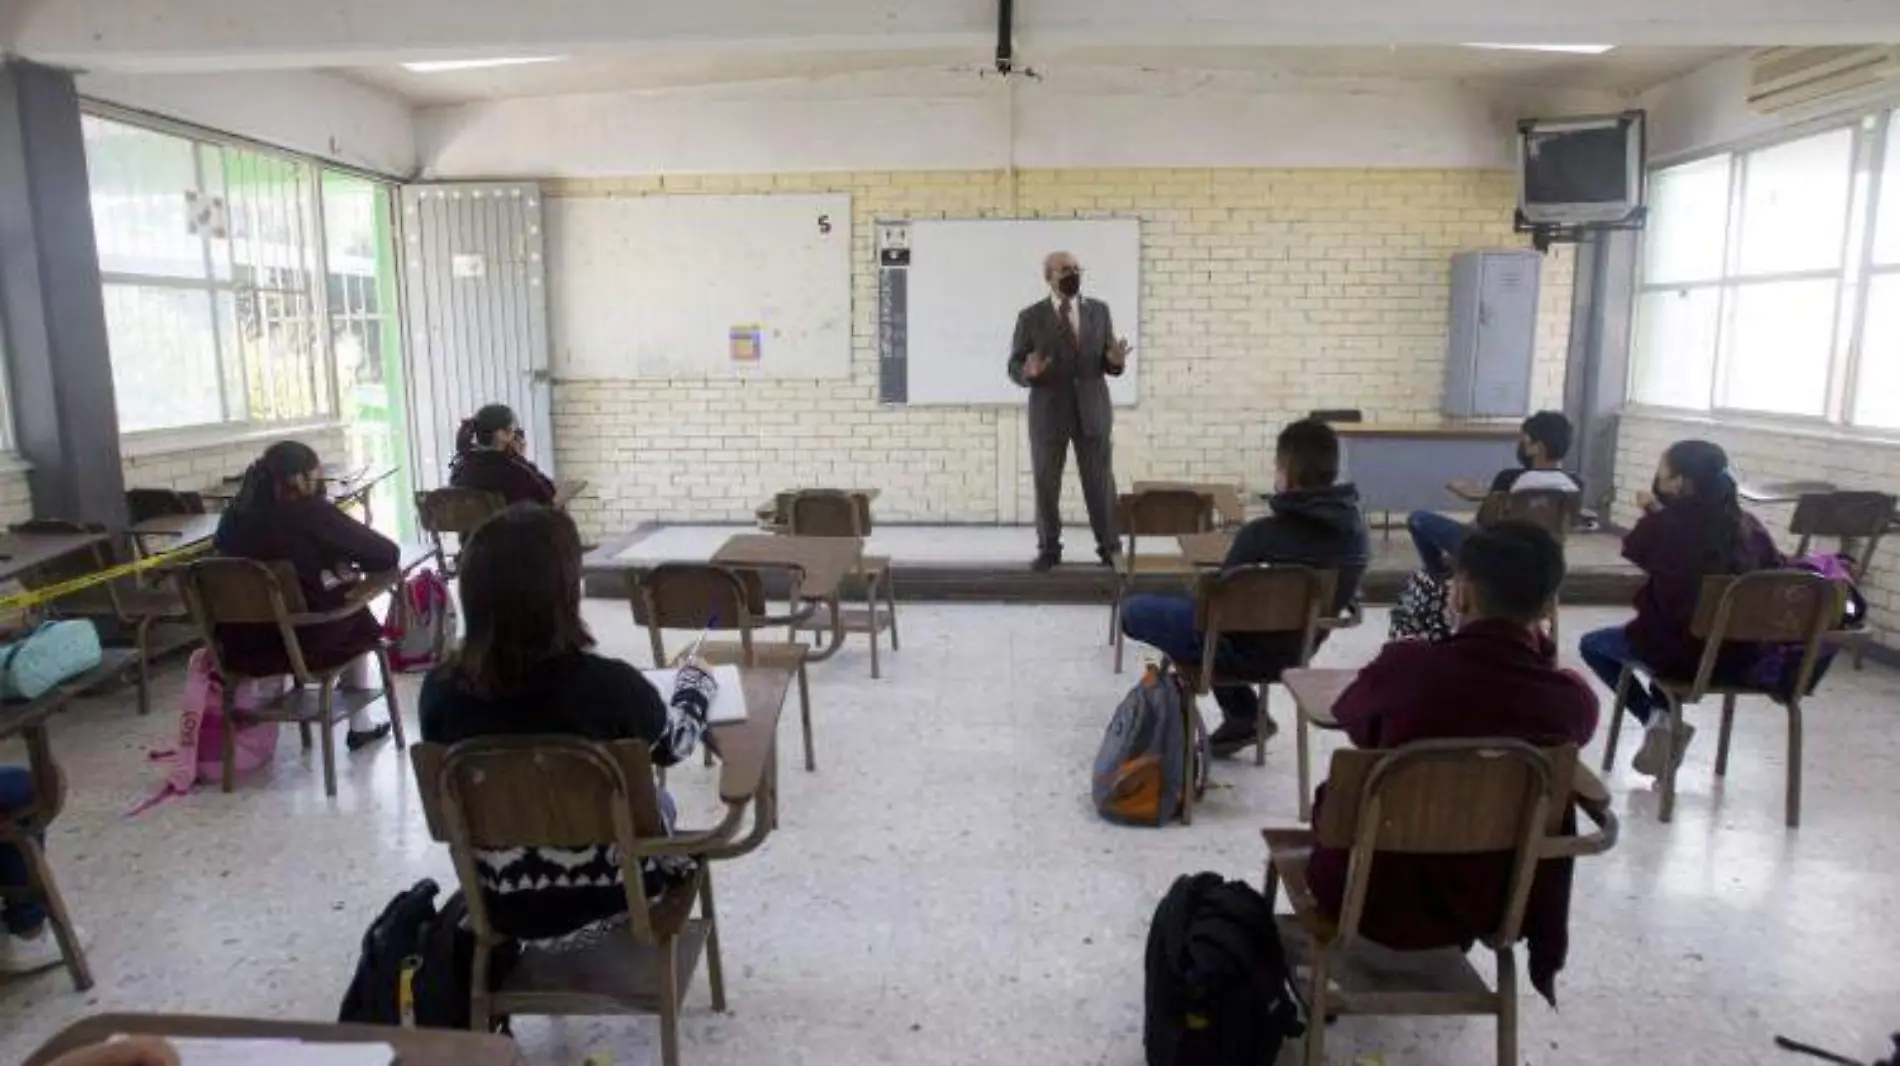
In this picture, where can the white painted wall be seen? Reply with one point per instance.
(318, 114)
(1708, 109)
(946, 120)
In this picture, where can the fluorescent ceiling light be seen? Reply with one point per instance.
(1567, 49)
(443, 66)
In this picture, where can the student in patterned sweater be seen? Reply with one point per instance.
(526, 667)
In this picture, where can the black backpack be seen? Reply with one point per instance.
(433, 950)
(1219, 993)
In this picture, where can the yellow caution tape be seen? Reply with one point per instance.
(26, 599)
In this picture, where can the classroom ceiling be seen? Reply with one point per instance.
(1624, 70)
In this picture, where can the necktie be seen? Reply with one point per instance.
(1067, 311)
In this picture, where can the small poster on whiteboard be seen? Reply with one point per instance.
(744, 344)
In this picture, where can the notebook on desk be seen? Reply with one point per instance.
(728, 703)
(216, 1051)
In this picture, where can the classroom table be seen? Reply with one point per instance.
(1400, 468)
(1468, 490)
(1314, 693)
(748, 762)
(1206, 550)
(413, 1047)
(566, 489)
(775, 512)
(1772, 492)
(819, 566)
(173, 532)
(1224, 495)
(23, 553)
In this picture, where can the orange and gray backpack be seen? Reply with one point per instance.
(1143, 768)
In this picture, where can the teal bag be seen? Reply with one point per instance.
(53, 653)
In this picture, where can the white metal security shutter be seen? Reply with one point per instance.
(475, 298)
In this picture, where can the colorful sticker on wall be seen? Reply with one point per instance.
(745, 343)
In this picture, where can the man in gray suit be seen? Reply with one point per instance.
(1064, 353)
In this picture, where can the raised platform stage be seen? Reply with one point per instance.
(991, 563)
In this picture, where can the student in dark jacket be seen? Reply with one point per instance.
(1542, 442)
(1496, 677)
(1693, 527)
(1315, 523)
(527, 667)
(491, 456)
(281, 513)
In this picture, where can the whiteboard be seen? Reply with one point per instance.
(700, 286)
(970, 278)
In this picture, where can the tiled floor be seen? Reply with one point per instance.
(940, 892)
(1011, 545)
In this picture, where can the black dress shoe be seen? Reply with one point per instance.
(363, 738)
(1046, 562)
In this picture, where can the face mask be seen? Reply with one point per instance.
(1524, 457)
(1069, 285)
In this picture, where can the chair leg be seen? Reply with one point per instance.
(804, 717)
(1192, 751)
(1270, 885)
(1666, 810)
(715, 966)
(480, 1019)
(1794, 763)
(303, 734)
(1260, 732)
(1507, 1008)
(870, 604)
(144, 633)
(1617, 706)
(669, 1002)
(1305, 762)
(1721, 743)
(326, 732)
(1115, 626)
(391, 703)
(40, 874)
(227, 705)
(890, 602)
(1316, 1009)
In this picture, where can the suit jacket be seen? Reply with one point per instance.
(1071, 397)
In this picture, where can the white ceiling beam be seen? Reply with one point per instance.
(186, 35)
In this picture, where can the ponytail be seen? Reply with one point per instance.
(465, 437)
(478, 431)
(262, 485)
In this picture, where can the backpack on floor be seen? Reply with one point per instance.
(1423, 612)
(421, 627)
(198, 754)
(418, 964)
(1142, 769)
(1219, 991)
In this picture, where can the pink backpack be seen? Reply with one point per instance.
(421, 627)
(199, 755)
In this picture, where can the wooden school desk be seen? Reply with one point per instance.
(23, 553)
(1206, 550)
(819, 565)
(1406, 468)
(412, 1047)
(1224, 495)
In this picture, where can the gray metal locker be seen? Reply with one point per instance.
(1493, 341)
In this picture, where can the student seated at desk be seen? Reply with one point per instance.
(526, 667)
(1314, 523)
(1542, 443)
(281, 514)
(491, 456)
(26, 943)
(1693, 527)
(1496, 677)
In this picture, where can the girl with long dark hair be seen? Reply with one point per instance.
(490, 455)
(527, 667)
(1693, 527)
(281, 513)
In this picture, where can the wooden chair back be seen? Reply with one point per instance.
(1166, 513)
(1446, 797)
(825, 513)
(143, 504)
(696, 596)
(454, 512)
(1261, 599)
(1863, 516)
(1551, 510)
(225, 591)
(495, 793)
(1765, 607)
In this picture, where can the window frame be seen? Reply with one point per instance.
(178, 438)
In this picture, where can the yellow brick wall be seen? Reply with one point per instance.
(1265, 294)
(1764, 455)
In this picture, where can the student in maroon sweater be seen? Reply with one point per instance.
(490, 455)
(1693, 527)
(282, 513)
(1496, 677)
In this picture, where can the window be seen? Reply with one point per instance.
(209, 257)
(360, 250)
(1753, 296)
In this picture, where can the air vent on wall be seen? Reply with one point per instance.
(1785, 78)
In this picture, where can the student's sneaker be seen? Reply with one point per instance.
(24, 955)
(1649, 758)
(357, 739)
(1234, 735)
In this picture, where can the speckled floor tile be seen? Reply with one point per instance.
(940, 892)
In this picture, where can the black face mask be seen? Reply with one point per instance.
(1069, 284)
(1524, 457)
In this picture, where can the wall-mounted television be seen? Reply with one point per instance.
(1581, 171)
